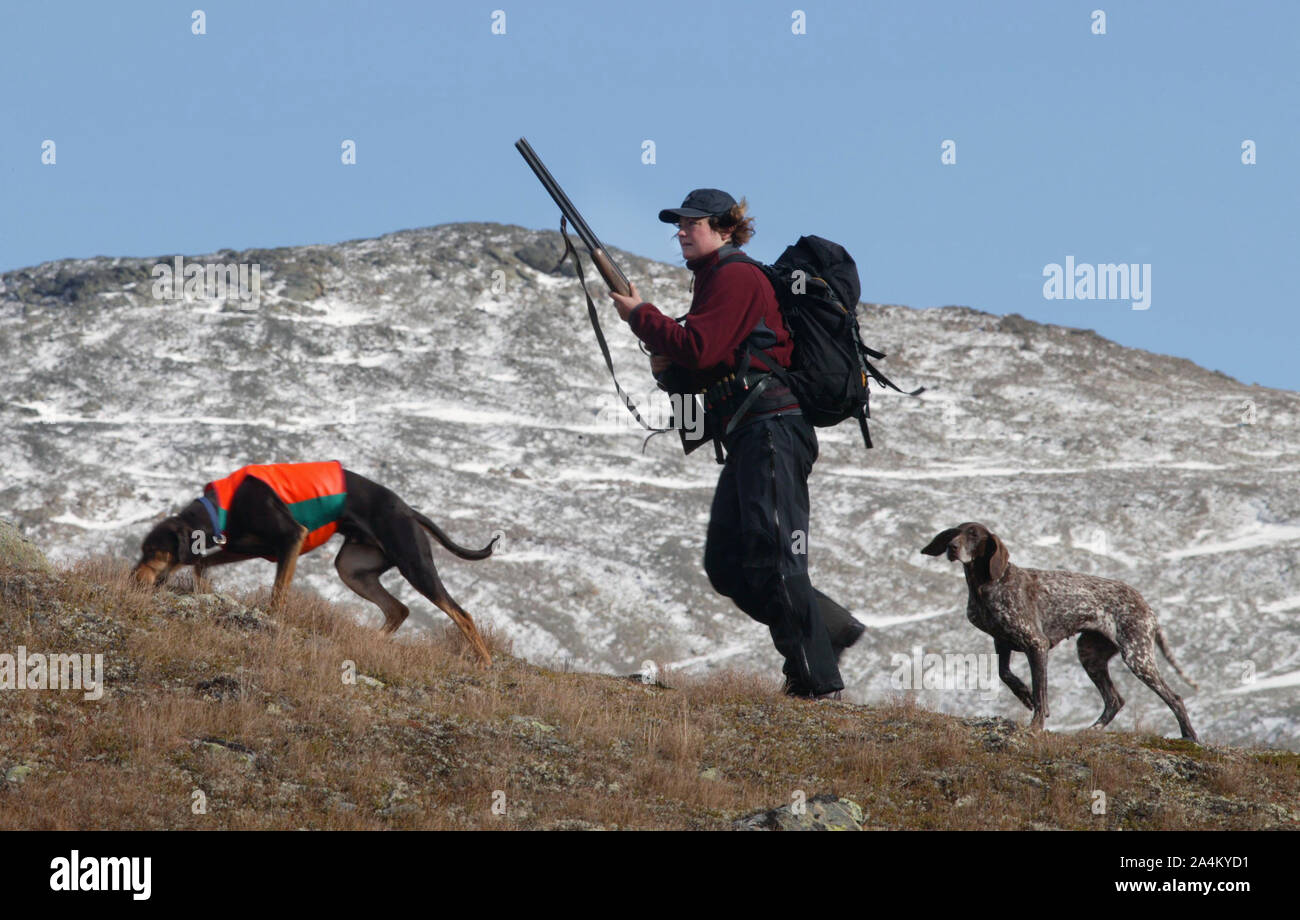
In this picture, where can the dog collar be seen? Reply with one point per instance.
(218, 537)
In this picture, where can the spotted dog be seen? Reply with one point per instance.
(1030, 611)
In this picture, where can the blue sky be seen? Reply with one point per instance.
(1122, 147)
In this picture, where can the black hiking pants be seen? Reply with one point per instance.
(756, 552)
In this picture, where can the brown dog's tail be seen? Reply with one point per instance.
(1164, 650)
(451, 544)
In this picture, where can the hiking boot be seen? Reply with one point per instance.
(796, 689)
(803, 692)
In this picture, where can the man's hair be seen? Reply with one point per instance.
(735, 220)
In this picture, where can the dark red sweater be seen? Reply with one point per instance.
(728, 304)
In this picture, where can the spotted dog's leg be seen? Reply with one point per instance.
(1095, 652)
(1140, 657)
(1004, 671)
(1036, 652)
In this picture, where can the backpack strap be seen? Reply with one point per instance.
(743, 365)
(773, 366)
(863, 412)
(880, 378)
(736, 255)
(862, 423)
(754, 392)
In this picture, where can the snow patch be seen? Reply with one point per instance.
(1290, 679)
(1250, 538)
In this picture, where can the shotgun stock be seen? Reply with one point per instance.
(611, 273)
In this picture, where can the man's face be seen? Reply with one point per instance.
(697, 238)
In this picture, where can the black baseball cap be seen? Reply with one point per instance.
(703, 202)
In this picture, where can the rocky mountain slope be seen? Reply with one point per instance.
(455, 365)
(215, 714)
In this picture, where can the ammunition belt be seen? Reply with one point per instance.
(724, 395)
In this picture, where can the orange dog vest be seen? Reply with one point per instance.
(314, 492)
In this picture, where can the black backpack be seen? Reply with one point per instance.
(817, 288)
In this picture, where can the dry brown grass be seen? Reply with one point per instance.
(253, 713)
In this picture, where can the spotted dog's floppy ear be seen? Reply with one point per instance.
(998, 559)
(940, 542)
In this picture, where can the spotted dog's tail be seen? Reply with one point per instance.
(1164, 650)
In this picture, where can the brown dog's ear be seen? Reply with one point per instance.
(940, 542)
(998, 558)
(179, 533)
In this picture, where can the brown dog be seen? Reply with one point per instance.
(279, 511)
(1030, 610)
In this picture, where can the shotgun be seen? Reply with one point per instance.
(614, 277)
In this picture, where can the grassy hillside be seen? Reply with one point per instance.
(207, 693)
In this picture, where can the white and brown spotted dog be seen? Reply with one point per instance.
(1030, 611)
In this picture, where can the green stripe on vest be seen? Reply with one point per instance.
(317, 512)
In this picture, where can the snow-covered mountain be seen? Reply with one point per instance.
(455, 365)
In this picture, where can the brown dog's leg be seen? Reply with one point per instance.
(408, 546)
(360, 567)
(462, 619)
(286, 563)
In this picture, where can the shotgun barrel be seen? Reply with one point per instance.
(613, 276)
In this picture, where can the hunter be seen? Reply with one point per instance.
(756, 549)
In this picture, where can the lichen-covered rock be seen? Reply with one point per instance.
(996, 734)
(398, 800)
(222, 608)
(819, 813)
(220, 747)
(537, 725)
(222, 688)
(19, 772)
